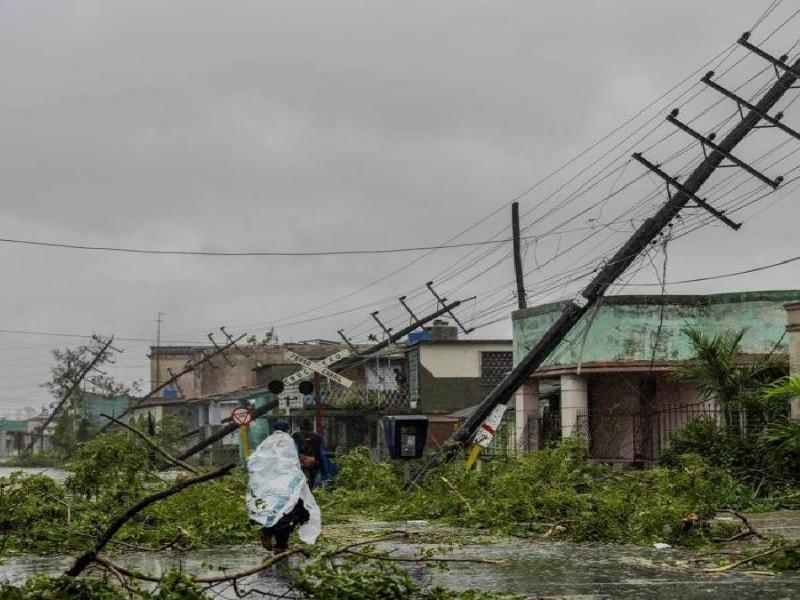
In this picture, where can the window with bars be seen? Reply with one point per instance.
(494, 366)
(413, 374)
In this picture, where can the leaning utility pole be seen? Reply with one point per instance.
(101, 355)
(176, 376)
(345, 363)
(639, 241)
(351, 361)
(521, 300)
(157, 378)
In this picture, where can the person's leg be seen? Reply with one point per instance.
(299, 514)
(282, 539)
(266, 537)
(311, 476)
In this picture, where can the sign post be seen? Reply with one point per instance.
(486, 433)
(242, 417)
(320, 369)
(318, 402)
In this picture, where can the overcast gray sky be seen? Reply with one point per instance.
(317, 126)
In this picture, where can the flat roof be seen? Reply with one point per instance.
(792, 295)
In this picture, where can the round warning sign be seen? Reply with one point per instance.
(242, 415)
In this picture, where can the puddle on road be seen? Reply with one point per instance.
(550, 569)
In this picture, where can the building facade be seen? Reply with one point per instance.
(611, 379)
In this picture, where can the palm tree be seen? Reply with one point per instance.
(721, 374)
(781, 437)
(782, 390)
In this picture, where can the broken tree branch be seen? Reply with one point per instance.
(457, 493)
(85, 559)
(748, 528)
(151, 443)
(420, 559)
(106, 562)
(744, 561)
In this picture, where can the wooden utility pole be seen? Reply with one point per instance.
(65, 398)
(157, 380)
(188, 369)
(521, 300)
(341, 365)
(630, 250)
(318, 403)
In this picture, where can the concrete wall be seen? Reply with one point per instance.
(625, 328)
(174, 358)
(793, 329)
(450, 374)
(458, 359)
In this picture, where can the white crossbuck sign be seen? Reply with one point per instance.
(320, 367)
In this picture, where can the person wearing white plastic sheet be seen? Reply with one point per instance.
(278, 496)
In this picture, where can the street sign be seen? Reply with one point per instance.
(291, 398)
(318, 367)
(242, 415)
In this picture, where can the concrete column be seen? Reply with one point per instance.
(793, 329)
(574, 403)
(3, 438)
(526, 406)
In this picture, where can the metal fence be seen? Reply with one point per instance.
(359, 397)
(623, 435)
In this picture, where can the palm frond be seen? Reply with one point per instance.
(783, 389)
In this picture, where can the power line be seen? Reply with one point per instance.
(256, 253)
(722, 276)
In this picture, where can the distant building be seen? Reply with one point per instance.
(93, 406)
(17, 434)
(611, 378)
(445, 373)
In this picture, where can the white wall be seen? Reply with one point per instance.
(457, 360)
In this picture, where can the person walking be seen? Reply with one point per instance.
(278, 495)
(313, 460)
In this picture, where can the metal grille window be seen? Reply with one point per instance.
(413, 374)
(494, 366)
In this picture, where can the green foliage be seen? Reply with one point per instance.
(778, 392)
(559, 486)
(720, 373)
(353, 579)
(719, 445)
(211, 514)
(173, 586)
(33, 513)
(110, 469)
(779, 448)
(108, 473)
(768, 460)
(42, 587)
(63, 437)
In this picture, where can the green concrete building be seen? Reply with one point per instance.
(610, 378)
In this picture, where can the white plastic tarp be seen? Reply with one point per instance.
(276, 483)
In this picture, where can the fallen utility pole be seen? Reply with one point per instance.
(611, 270)
(522, 302)
(188, 369)
(74, 386)
(341, 365)
(351, 361)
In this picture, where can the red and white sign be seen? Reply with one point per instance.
(487, 430)
(242, 415)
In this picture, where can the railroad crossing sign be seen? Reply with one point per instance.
(320, 367)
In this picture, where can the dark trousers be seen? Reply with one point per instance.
(311, 476)
(286, 525)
